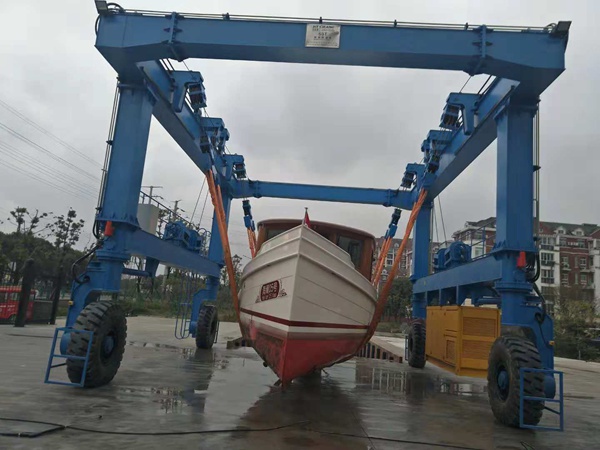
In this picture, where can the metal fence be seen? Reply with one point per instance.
(29, 296)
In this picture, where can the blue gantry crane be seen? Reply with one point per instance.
(521, 62)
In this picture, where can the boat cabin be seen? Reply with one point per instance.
(358, 244)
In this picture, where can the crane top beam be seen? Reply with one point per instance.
(522, 60)
(532, 56)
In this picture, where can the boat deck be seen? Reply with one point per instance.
(166, 386)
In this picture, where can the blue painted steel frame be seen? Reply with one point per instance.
(560, 400)
(62, 355)
(524, 61)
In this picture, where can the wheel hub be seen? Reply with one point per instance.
(108, 345)
(503, 382)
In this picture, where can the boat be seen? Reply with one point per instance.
(306, 300)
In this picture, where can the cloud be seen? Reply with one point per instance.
(299, 123)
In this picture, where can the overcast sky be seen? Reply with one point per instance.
(302, 123)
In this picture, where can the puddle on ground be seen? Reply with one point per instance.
(154, 345)
(413, 382)
(202, 378)
(226, 383)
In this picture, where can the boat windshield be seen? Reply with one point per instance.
(272, 232)
(353, 247)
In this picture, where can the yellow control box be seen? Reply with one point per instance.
(459, 338)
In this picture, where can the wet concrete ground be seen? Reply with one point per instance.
(212, 399)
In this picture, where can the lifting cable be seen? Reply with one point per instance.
(442, 218)
(217, 200)
(197, 201)
(385, 291)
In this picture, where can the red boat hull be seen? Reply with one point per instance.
(292, 354)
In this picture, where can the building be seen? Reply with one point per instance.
(569, 253)
(479, 235)
(405, 268)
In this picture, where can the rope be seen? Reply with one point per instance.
(385, 291)
(215, 193)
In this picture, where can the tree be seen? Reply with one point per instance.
(25, 222)
(400, 298)
(237, 269)
(23, 244)
(224, 298)
(574, 315)
(66, 230)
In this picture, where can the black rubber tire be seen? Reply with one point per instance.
(510, 353)
(12, 319)
(416, 345)
(105, 319)
(208, 323)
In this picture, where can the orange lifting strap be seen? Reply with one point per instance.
(249, 222)
(217, 201)
(252, 241)
(385, 248)
(385, 291)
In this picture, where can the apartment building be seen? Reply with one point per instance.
(569, 253)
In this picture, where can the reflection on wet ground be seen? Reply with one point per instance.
(368, 375)
(415, 383)
(359, 404)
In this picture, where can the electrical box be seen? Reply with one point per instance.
(147, 216)
(459, 338)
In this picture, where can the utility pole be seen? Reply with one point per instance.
(152, 187)
(176, 209)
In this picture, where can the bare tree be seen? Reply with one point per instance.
(25, 221)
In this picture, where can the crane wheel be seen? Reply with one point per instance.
(107, 321)
(208, 324)
(416, 345)
(507, 356)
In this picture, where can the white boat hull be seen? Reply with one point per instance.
(303, 305)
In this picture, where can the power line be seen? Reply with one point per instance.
(46, 182)
(48, 152)
(19, 156)
(48, 133)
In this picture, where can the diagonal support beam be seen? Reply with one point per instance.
(462, 149)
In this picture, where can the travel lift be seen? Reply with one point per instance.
(523, 62)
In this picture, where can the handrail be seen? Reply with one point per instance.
(173, 216)
(381, 23)
(484, 240)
